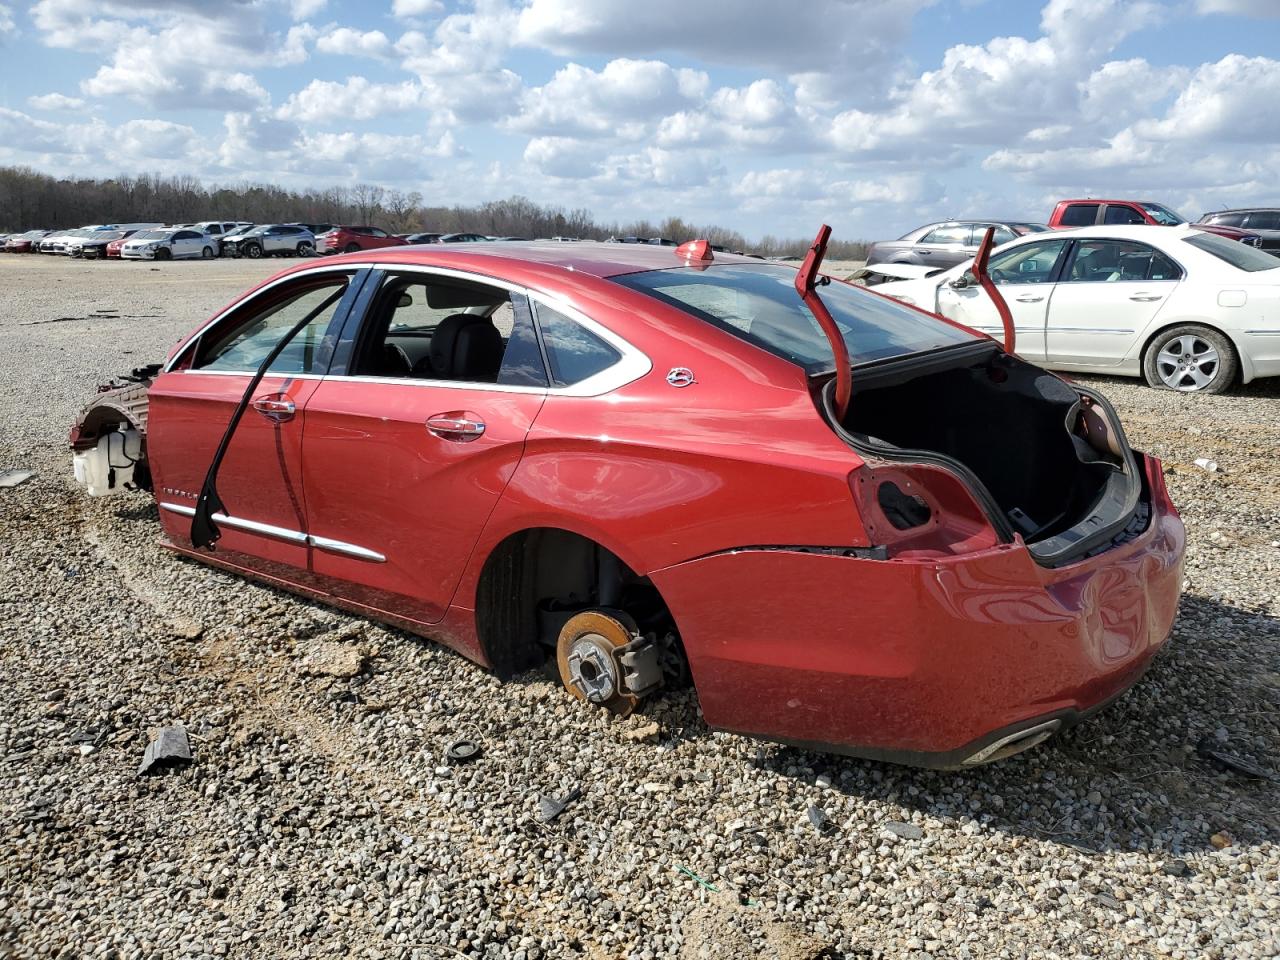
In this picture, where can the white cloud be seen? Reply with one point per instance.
(562, 157)
(1243, 8)
(55, 101)
(1236, 99)
(343, 41)
(415, 8)
(620, 98)
(302, 9)
(357, 98)
(95, 142)
(7, 24)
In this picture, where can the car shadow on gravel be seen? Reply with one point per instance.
(1134, 777)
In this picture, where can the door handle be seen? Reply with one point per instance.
(1146, 297)
(275, 407)
(455, 427)
(1028, 299)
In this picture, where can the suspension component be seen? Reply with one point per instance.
(604, 660)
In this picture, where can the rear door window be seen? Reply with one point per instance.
(1264, 220)
(1114, 261)
(1079, 215)
(952, 235)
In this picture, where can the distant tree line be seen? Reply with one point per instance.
(32, 200)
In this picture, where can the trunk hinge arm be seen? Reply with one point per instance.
(983, 277)
(806, 281)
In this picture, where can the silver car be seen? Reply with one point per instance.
(283, 239)
(169, 244)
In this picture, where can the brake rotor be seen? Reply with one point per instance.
(584, 653)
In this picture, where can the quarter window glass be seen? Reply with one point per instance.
(1003, 235)
(1029, 263)
(955, 235)
(1079, 214)
(246, 344)
(574, 353)
(1120, 215)
(1111, 261)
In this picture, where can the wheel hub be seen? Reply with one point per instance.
(591, 668)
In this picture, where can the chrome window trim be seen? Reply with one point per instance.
(630, 367)
(1087, 330)
(218, 317)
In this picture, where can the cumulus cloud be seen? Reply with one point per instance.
(1243, 8)
(343, 41)
(1236, 99)
(302, 9)
(7, 24)
(55, 101)
(357, 98)
(415, 8)
(621, 97)
(95, 141)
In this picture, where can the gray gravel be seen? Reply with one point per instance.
(320, 816)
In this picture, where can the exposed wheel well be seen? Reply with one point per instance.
(534, 580)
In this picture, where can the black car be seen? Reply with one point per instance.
(95, 248)
(421, 237)
(1264, 221)
(946, 243)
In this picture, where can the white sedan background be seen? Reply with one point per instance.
(169, 244)
(1188, 310)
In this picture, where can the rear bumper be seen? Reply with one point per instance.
(923, 662)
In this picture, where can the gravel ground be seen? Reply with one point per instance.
(319, 816)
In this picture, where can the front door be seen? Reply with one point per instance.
(1109, 292)
(407, 452)
(1025, 276)
(260, 481)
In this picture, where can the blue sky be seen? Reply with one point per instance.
(767, 117)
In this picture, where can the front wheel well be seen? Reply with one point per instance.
(534, 580)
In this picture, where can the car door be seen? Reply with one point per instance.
(191, 403)
(1025, 276)
(414, 435)
(1108, 294)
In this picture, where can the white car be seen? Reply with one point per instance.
(1187, 310)
(173, 243)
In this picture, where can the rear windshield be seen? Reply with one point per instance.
(1234, 252)
(760, 305)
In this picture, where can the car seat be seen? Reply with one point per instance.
(464, 346)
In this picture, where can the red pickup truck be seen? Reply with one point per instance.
(1087, 213)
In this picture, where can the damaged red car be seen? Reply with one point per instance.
(851, 525)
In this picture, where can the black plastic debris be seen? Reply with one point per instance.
(169, 749)
(550, 807)
(1176, 868)
(1231, 763)
(463, 751)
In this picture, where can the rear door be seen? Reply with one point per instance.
(191, 403)
(1025, 275)
(413, 437)
(945, 246)
(1108, 294)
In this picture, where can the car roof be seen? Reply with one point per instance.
(594, 258)
(1211, 213)
(1105, 200)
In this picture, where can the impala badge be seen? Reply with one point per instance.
(680, 377)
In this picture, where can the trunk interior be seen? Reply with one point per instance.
(1045, 463)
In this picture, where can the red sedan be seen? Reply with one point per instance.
(851, 524)
(351, 239)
